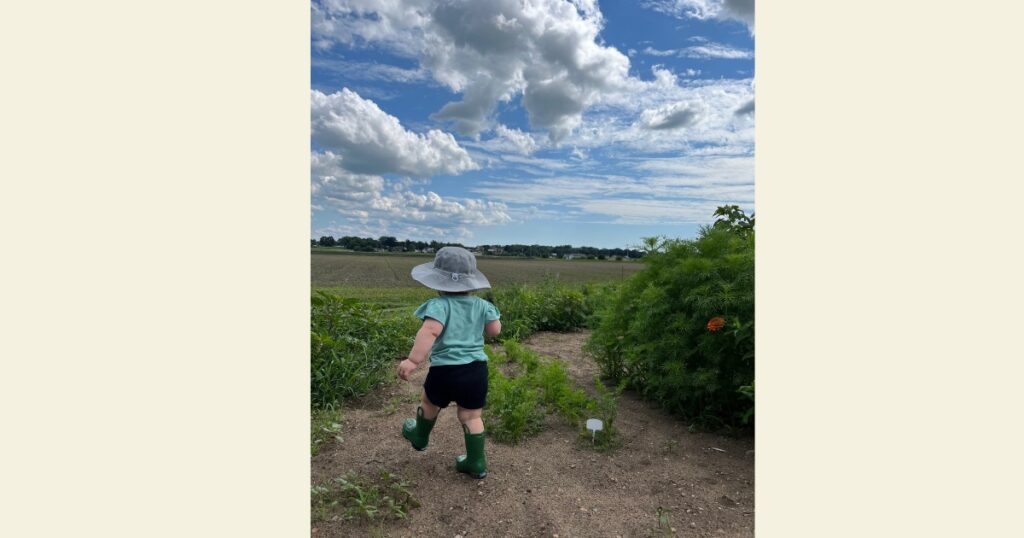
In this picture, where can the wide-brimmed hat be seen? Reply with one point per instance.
(453, 269)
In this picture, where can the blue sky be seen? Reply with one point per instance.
(530, 121)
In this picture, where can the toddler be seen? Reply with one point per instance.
(452, 338)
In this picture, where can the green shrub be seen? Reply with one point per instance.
(654, 332)
(354, 347)
(548, 306)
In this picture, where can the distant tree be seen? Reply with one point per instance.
(388, 242)
(312, 242)
(327, 241)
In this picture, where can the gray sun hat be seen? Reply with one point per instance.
(453, 269)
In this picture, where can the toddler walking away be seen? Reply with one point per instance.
(452, 339)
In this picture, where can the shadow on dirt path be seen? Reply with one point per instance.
(547, 485)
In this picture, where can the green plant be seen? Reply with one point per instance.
(547, 306)
(605, 406)
(354, 347)
(387, 497)
(539, 386)
(664, 527)
(325, 425)
(681, 331)
(514, 409)
(748, 392)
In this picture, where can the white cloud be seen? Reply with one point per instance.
(545, 50)
(362, 198)
(331, 180)
(660, 212)
(680, 189)
(624, 124)
(746, 109)
(367, 140)
(371, 70)
(516, 140)
(655, 52)
(671, 116)
(737, 10)
(716, 50)
(705, 50)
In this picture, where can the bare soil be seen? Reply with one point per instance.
(548, 485)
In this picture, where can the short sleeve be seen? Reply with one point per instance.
(491, 312)
(434, 309)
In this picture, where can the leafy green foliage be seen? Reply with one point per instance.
(387, 497)
(325, 425)
(513, 410)
(354, 347)
(518, 404)
(732, 218)
(654, 333)
(549, 306)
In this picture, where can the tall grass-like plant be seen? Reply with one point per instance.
(354, 347)
(681, 331)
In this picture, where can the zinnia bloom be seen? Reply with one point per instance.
(716, 323)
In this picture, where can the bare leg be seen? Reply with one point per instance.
(430, 410)
(471, 418)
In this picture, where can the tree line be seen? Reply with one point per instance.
(387, 243)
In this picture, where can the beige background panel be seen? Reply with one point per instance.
(889, 285)
(155, 287)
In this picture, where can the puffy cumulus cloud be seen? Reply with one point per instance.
(367, 140)
(330, 180)
(516, 140)
(546, 50)
(671, 116)
(737, 10)
(369, 202)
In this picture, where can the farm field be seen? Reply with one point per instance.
(345, 270)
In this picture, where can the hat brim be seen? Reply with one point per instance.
(437, 280)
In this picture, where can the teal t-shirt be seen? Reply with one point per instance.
(462, 339)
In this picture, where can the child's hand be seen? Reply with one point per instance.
(405, 368)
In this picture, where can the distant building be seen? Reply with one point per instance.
(574, 256)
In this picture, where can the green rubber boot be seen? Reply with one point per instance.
(473, 462)
(417, 430)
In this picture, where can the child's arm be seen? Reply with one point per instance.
(425, 337)
(493, 328)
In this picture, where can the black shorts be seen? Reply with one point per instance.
(466, 384)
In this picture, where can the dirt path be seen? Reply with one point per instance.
(546, 485)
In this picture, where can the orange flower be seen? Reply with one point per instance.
(716, 323)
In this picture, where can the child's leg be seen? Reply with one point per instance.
(473, 462)
(471, 418)
(430, 410)
(417, 430)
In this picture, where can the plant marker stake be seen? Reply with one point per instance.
(594, 425)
